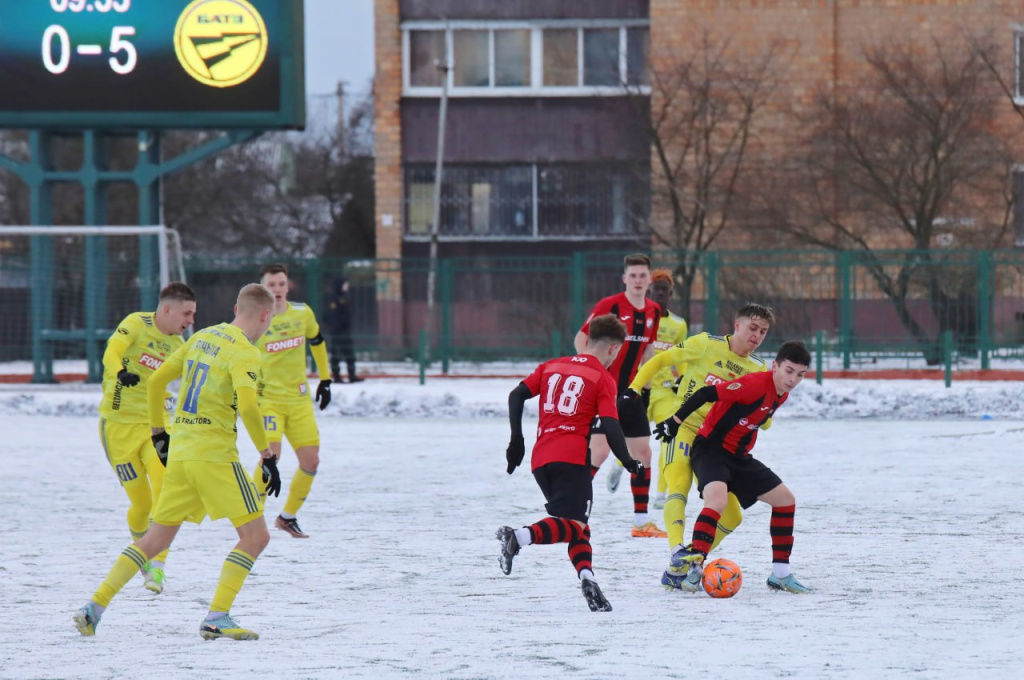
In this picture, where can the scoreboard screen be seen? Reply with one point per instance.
(151, 63)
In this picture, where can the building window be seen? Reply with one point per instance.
(542, 201)
(550, 57)
(1018, 60)
(1018, 207)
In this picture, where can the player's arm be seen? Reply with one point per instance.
(318, 348)
(113, 356)
(617, 441)
(156, 387)
(654, 364)
(668, 428)
(249, 413)
(516, 445)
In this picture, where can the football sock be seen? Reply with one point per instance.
(780, 569)
(523, 536)
(588, 575)
(593, 471)
(782, 532)
(232, 575)
(663, 450)
(581, 554)
(704, 530)
(302, 482)
(127, 563)
(731, 518)
(212, 615)
(553, 530)
(675, 517)
(640, 519)
(641, 487)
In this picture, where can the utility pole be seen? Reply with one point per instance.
(444, 67)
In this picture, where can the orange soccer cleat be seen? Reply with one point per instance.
(649, 530)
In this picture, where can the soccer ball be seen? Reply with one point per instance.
(722, 578)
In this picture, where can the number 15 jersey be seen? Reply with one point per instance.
(573, 391)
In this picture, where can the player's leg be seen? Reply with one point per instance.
(664, 403)
(599, 451)
(348, 351)
(122, 445)
(633, 419)
(661, 496)
(155, 470)
(783, 512)
(304, 437)
(275, 421)
(334, 357)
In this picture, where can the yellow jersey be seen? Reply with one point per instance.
(213, 364)
(708, 360)
(671, 332)
(139, 347)
(283, 354)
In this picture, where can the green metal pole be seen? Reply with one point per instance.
(986, 300)
(556, 343)
(147, 182)
(819, 356)
(95, 301)
(446, 272)
(41, 294)
(845, 295)
(711, 306)
(947, 355)
(422, 354)
(577, 288)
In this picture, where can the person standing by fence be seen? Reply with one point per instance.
(338, 321)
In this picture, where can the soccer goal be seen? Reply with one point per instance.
(66, 288)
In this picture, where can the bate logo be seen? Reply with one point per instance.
(220, 43)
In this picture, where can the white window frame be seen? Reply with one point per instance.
(536, 87)
(1018, 54)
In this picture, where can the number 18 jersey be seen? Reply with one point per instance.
(573, 391)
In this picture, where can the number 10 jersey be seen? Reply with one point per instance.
(573, 391)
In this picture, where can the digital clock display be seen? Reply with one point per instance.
(151, 63)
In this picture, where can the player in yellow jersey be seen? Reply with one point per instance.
(708, 360)
(219, 369)
(135, 350)
(284, 389)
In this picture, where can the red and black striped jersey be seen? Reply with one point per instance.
(743, 405)
(573, 391)
(641, 330)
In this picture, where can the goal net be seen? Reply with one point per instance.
(64, 290)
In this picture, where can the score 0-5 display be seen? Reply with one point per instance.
(151, 63)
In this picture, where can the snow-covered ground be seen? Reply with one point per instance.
(908, 527)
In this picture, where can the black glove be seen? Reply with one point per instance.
(666, 430)
(162, 444)
(271, 477)
(627, 400)
(645, 395)
(633, 466)
(127, 379)
(514, 453)
(323, 394)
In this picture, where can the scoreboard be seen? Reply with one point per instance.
(117, 64)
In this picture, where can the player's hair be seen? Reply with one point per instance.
(636, 259)
(275, 268)
(663, 275)
(254, 298)
(795, 351)
(752, 310)
(176, 291)
(607, 328)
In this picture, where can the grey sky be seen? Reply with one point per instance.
(339, 45)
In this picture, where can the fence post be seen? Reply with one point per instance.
(711, 305)
(314, 289)
(421, 355)
(947, 355)
(556, 343)
(985, 301)
(845, 295)
(445, 271)
(577, 288)
(819, 353)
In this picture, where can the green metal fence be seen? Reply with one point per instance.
(859, 306)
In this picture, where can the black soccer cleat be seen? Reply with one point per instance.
(595, 598)
(290, 527)
(509, 548)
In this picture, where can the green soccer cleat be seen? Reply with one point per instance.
(225, 627)
(683, 559)
(788, 584)
(154, 578)
(87, 618)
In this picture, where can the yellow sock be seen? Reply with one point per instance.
(232, 576)
(298, 490)
(662, 481)
(127, 564)
(675, 519)
(730, 519)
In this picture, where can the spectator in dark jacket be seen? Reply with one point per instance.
(338, 322)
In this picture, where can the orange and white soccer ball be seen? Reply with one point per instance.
(722, 578)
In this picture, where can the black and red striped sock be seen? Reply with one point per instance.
(782, 532)
(554, 530)
(580, 552)
(593, 471)
(704, 530)
(641, 486)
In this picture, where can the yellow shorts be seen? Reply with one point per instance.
(197, 488)
(128, 447)
(291, 419)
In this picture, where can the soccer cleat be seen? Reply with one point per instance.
(614, 477)
(595, 598)
(649, 530)
(225, 627)
(787, 583)
(672, 581)
(684, 559)
(659, 501)
(290, 527)
(509, 548)
(87, 618)
(692, 582)
(154, 578)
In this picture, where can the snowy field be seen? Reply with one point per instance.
(908, 527)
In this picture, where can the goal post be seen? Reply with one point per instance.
(65, 288)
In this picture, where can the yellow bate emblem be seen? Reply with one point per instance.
(220, 43)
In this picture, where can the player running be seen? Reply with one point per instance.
(641, 317)
(135, 350)
(724, 466)
(284, 390)
(575, 390)
(219, 368)
(704, 360)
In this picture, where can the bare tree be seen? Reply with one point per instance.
(705, 104)
(903, 154)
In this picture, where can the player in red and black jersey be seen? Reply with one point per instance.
(574, 391)
(722, 462)
(641, 317)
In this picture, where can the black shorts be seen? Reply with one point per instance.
(745, 476)
(632, 418)
(568, 490)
